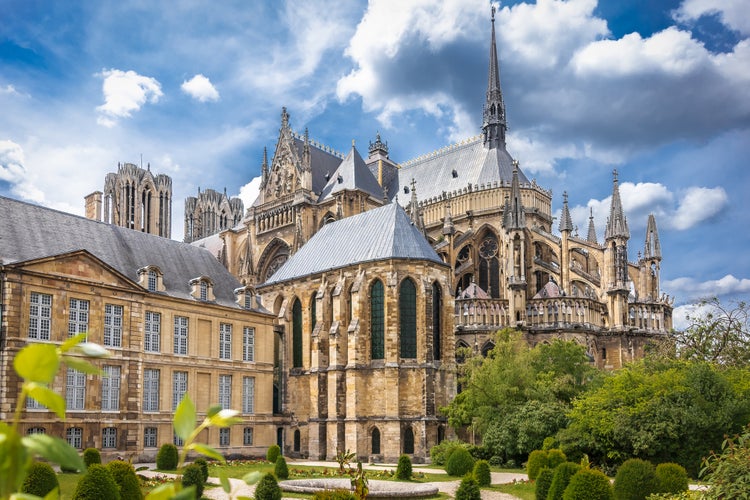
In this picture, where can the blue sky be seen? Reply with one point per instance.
(655, 89)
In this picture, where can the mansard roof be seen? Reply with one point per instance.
(456, 167)
(29, 232)
(378, 234)
(352, 174)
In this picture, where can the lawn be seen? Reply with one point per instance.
(521, 489)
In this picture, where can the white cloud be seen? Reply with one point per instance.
(699, 204)
(690, 289)
(732, 13)
(125, 92)
(249, 192)
(13, 171)
(9, 89)
(200, 87)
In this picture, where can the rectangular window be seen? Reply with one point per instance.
(149, 437)
(225, 341)
(112, 325)
(78, 317)
(248, 394)
(248, 300)
(40, 314)
(151, 389)
(75, 390)
(36, 430)
(152, 332)
(110, 388)
(109, 437)
(74, 436)
(177, 440)
(181, 335)
(33, 404)
(152, 281)
(204, 290)
(225, 391)
(224, 436)
(179, 387)
(247, 436)
(248, 343)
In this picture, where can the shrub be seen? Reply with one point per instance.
(440, 452)
(537, 460)
(728, 473)
(543, 483)
(203, 464)
(333, 495)
(635, 480)
(273, 453)
(672, 478)
(126, 480)
(468, 489)
(166, 458)
(280, 468)
(459, 463)
(40, 480)
(555, 457)
(192, 475)
(482, 473)
(588, 484)
(403, 470)
(550, 443)
(496, 461)
(560, 479)
(479, 452)
(97, 484)
(91, 456)
(268, 488)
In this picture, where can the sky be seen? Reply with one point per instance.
(656, 89)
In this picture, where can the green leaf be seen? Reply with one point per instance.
(224, 418)
(81, 365)
(252, 477)
(73, 341)
(206, 450)
(91, 350)
(47, 397)
(225, 484)
(54, 494)
(185, 494)
(14, 460)
(164, 491)
(28, 496)
(37, 363)
(184, 418)
(213, 410)
(244, 498)
(55, 450)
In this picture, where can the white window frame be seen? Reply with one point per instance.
(151, 379)
(33, 404)
(110, 383)
(150, 435)
(248, 395)
(36, 430)
(247, 436)
(153, 280)
(248, 343)
(203, 290)
(109, 437)
(224, 436)
(181, 332)
(113, 314)
(179, 387)
(40, 316)
(74, 437)
(75, 390)
(225, 341)
(225, 391)
(78, 317)
(152, 332)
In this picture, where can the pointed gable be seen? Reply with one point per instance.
(352, 174)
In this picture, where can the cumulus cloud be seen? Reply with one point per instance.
(249, 192)
(691, 289)
(125, 92)
(13, 171)
(200, 87)
(732, 13)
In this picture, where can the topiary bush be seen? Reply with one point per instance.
(555, 457)
(268, 488)
(333, 495)
(482, 473)
(560, 479)
(588, 484)
(543, 483)
(468, 489)
(280, 468)
(192, 475)
(97, 484)
(166, 458)
(537, 460)
(274, 451)
(440, 452)
(403, 470)
(126, 480)
(672, 478)
(203, 464)
(91, 456)
(459, 463)
(635, 480)
(40, 480)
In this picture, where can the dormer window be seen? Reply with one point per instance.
(245, 297)
(202, 288)
(151, 278)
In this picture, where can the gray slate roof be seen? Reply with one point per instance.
(352, 174)
(473, 162)
(378, 234)
(321, 163)
(29, 232)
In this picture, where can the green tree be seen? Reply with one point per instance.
(728, 472)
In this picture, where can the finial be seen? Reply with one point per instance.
(515, 162)
(493, 13)
(352, 143)
(614, 174)
(565, 197)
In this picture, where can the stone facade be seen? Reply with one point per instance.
(209, 213)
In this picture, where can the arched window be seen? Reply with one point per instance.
(313, 312)
(296, 440)
(376, 441)
(407, 317)
(377, 327)
(408, 441)
(437, 303)
(296, 334)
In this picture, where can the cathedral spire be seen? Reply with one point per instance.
(652, 249)
(617, 224)
(515, 216)
(264, 166)
(566, 223)
(591, 237)
(493, 122)
(414, 207)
